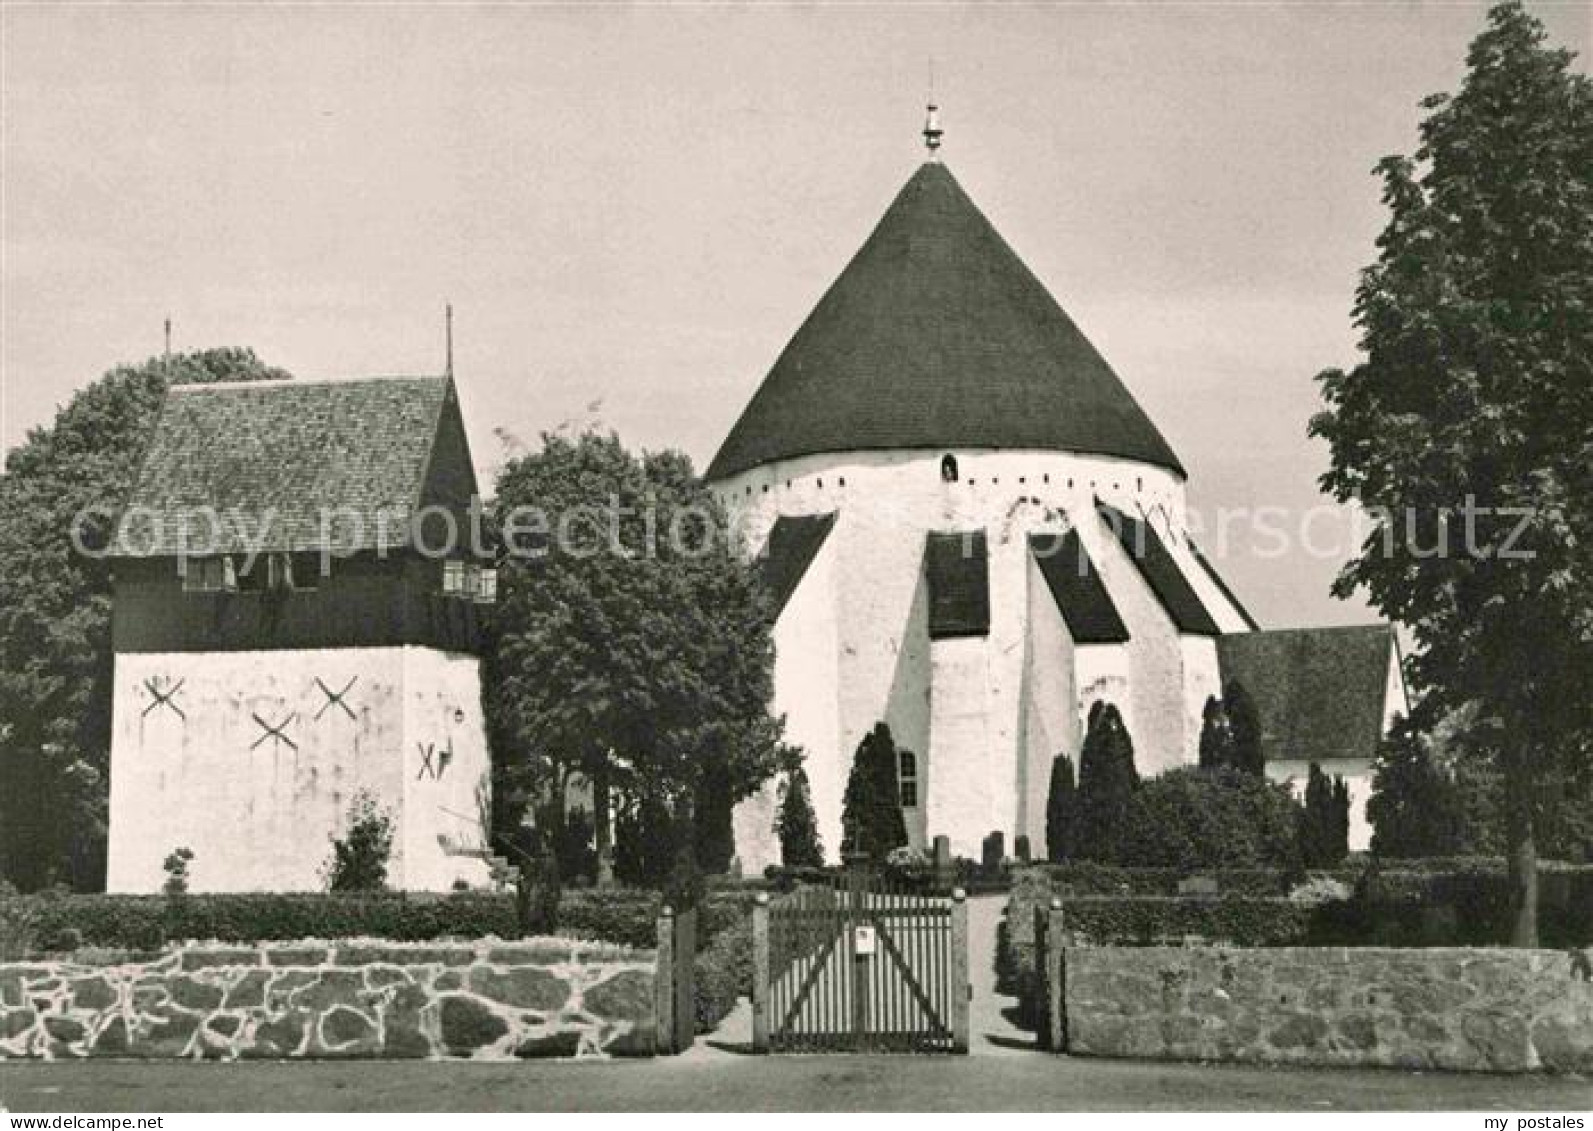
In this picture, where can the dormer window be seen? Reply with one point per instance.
(948, 469)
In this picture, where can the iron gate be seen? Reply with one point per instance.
(860, 966)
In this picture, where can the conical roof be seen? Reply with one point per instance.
(937, 336)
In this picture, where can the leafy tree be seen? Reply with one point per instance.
(1061, 810)
(1196, 819)
(871, 810)
(359, 857)
(1324, 826)
(1216, 736)
(55, 647)
(1414, 808)
(1107, 781)
(1465, 429)
(632, 644)
(796, 824)
(1244, 729)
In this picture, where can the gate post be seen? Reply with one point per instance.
(1055, 979)
(664, 982)
(1035, 994)
(960, 988)
(760, 973)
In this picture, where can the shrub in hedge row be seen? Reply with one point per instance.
(723, 972)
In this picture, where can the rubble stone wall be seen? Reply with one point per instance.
(482, 1001)
(1483, 1010)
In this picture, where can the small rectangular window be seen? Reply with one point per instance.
(208, 575)
(487, 591)
(453, 578)
(909, 795)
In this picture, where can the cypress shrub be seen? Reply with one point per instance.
(871, 812)
(1107, 782)
(796, 824)
(1216, 736)
(1061, 810)
(1244, 726)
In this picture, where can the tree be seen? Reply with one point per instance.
(1244, 729)
(871, 810)
(1465, 430)
(796, 824)
(1414, 808)
(359, 857)
(1107, 781)
(632, 645)
(1061, 811)
(1324, 826)
(1216, 736)
(55, 647)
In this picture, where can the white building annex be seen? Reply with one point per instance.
(973, 532)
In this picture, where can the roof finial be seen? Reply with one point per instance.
(448, 331)
(932, 130)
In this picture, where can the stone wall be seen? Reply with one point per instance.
(483, 1001)
(1466, 1010)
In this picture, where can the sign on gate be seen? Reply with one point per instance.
(860, 967)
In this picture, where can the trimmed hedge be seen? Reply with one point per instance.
(148, 922)
(1469, 906)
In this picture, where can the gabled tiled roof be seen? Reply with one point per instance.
(272, 457)
(794, 541)
(958, 570)
(1319, 691)
(1160, 570)
(937, 336)
(1076, 587)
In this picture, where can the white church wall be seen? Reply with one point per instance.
(257, 810)
(965, 798)
(1050, 715)
(1217, 603)
(1202, 680)
(1155, 705)
(444, 829)
(805, 653)
(886, 503)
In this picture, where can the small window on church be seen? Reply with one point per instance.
(907, 777)
(453, 579)
(208, 575)
(948, 469)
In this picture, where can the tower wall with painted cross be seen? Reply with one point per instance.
(252, 759)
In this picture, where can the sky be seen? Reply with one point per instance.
(632, 208)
